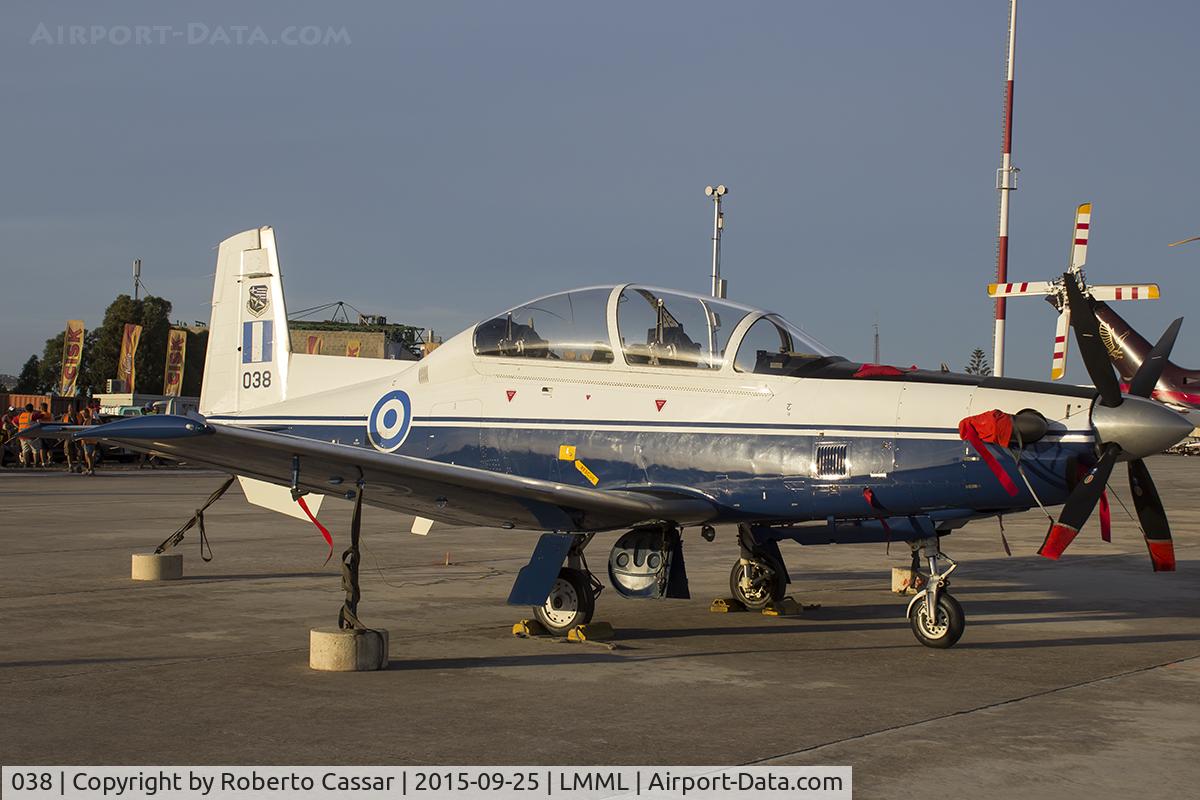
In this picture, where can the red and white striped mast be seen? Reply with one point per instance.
(1006, 181)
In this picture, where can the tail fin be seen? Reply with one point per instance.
(247, 362)
(1126, 347)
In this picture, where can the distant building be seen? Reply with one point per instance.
(374, 338)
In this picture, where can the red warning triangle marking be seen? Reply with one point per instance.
(660, 404)
(511, 394)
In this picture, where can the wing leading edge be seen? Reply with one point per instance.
(445, 492)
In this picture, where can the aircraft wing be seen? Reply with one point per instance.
(445, 492)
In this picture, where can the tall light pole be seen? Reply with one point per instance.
(1006, 182)
(719, 287)
(137, 277)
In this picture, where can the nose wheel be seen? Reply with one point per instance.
(942, 631)
(936, 618)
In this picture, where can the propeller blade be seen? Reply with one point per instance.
(1147, 375)
(1080, 503)
(1124, 291)
(1019, 289)
(1058, 363)
(1105, 518)
(1152, 517)
(1093, 351)
(1083, 224)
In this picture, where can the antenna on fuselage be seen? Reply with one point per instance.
(719, 287)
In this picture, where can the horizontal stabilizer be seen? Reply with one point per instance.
(50, 430)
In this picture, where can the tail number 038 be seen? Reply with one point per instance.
(256, 379)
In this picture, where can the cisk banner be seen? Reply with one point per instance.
(129, 345)
(176, 352)
(72, 354)
(354, 348)
(313, 346)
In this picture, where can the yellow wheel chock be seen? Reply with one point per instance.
(726, 605)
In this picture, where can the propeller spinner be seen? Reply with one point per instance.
(1128, 428)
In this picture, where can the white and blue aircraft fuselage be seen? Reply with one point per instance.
(635, 408)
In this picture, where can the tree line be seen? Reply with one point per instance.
(102, 350)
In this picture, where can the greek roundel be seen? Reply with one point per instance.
(390, 420)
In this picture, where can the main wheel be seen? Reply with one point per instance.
(756, 582)
(571, 602)
(945, 630)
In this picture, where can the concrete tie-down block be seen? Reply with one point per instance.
(347, 650)
(157, 566)
(906, 581)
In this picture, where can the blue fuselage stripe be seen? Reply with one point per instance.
(750, 471)
(600, 423)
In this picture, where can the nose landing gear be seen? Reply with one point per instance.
(936, 618)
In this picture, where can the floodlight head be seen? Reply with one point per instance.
(708, 191)
(721, 190)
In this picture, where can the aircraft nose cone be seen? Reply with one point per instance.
(1142, 427)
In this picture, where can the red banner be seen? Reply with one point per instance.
(176, 351)
(125, 364)
(72, 354)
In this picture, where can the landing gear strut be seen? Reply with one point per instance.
(936, 618)
(572, 600)
(758, 577)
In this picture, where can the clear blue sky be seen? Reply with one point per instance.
(453, 159)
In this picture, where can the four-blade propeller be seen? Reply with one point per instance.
(1128, 427)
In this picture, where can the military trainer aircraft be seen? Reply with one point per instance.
(651, 411)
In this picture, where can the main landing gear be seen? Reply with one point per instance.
(759, 575)
(936, 618)
(572, 600)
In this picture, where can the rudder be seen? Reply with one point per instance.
(248, 348)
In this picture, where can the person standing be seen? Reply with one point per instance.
(89, 417)
(44, 415)
(8, 429)
(69, 447)
(31, 449)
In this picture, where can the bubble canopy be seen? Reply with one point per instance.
(648, 326)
